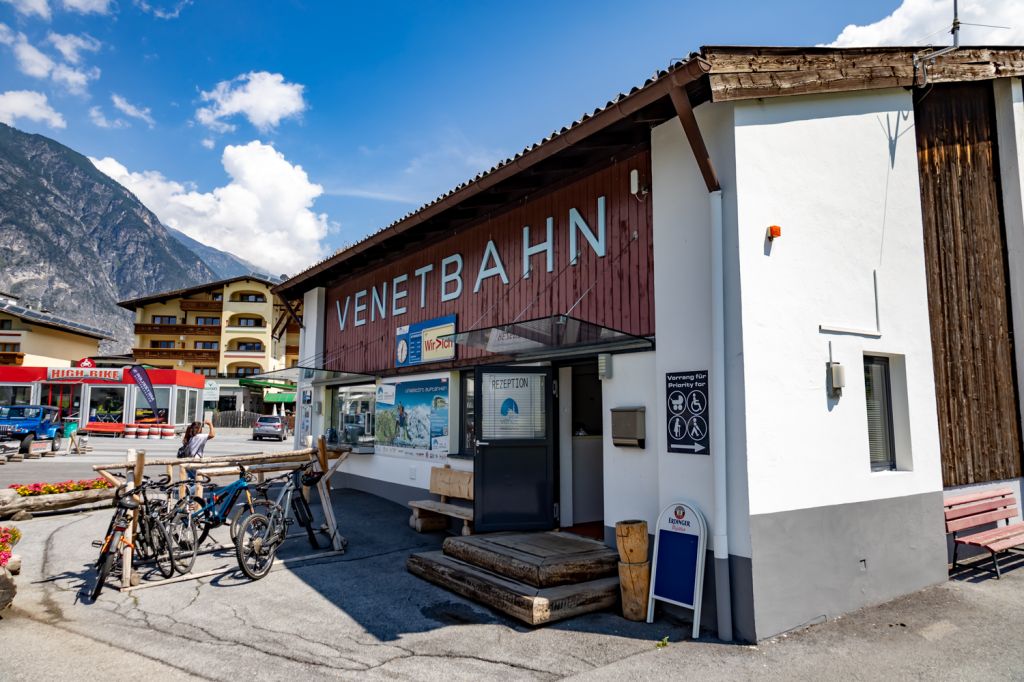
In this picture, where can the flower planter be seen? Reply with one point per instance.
(40, 503)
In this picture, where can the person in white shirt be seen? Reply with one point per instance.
(195, 440)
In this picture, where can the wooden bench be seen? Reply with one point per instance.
(965, 512)
(433, 514)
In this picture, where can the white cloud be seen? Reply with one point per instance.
(163, 10)
(40, 8)
(30, 105)
(208, 142)
(263, 214)
(98, 118)
(6, 34)
(263, 98)
(33, 62)
(71, 46)
(87, 6)
(927, 22)
(129, 109)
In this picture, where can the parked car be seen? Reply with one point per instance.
(269, 426)
(26, 423)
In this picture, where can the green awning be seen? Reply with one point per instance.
(265, 383)
(279, 398)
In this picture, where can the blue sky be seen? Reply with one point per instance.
(383, 106)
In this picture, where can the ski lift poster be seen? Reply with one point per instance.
(687, 414)
(411, 419)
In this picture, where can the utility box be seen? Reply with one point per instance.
(629, 426)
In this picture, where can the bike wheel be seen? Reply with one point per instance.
(200, 521)
(256, 546)
(106, 563)
(160, 543)
(183, 540)
(304, 516)
(260, 506)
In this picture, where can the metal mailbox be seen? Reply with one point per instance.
(629, 426)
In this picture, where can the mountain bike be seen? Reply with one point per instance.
(195, 516)
(114, 541)
(260, 535)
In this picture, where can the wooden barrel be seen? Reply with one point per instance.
(131, 430)
(635, 584)
(631, 539)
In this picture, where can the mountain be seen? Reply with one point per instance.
(224, 264)
(76, 241)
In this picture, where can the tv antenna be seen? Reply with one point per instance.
(922, 60)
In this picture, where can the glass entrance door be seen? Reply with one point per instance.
(514, 466)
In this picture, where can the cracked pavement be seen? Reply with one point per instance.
(361, 615)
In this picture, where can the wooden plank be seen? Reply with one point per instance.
(533, 564)
(465, 513)
(981, 519)
(968, 299)
(975, 497)
(529, 604)
(1012, 541)
(989, 505)
(984, 538)
(450, 482)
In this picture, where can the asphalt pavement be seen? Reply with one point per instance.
(107, 449)
(361, 615)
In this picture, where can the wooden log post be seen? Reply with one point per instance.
(133, 520)
(631, 539)
(634, 569)
(635, 584)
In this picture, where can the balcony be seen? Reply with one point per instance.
(11, 358)
(176, 354)
(203, 306)
(291, 350)
(178, 329)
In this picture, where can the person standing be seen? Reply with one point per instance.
(194, 441)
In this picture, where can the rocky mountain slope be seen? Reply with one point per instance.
(76, 241)
(226, 265)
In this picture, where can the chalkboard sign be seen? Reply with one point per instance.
(680, 543)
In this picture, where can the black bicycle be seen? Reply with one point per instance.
(260, 535)
(114, 541)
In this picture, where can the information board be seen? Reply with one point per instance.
(422, 342)
(688, 418)
(677, 572)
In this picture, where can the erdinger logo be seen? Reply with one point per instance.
(678, 520)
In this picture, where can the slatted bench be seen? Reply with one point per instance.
(965, 512)
(448, 483)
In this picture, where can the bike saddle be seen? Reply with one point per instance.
(311, 478)
(127, 503)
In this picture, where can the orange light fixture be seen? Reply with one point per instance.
(774, 231)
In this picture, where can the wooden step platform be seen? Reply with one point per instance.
(532, 605)
(537, 559)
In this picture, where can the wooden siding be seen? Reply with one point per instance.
(965, 249)
(616, 291)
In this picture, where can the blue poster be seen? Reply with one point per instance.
(412, 418)
(422, 342)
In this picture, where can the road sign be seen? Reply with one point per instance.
(680, 543)
(687, 402)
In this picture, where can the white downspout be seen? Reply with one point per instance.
(723, 587)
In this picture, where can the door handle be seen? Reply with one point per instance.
(480, 442)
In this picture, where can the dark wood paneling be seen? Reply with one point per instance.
(616, 291)
(972, 342)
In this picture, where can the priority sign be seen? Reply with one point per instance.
(686, 395)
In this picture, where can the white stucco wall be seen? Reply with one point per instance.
(682, 277)
(839, 174)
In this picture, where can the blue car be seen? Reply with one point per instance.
(26, 423)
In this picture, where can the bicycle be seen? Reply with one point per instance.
(114, 541)
(260, 535)
(196, 516)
